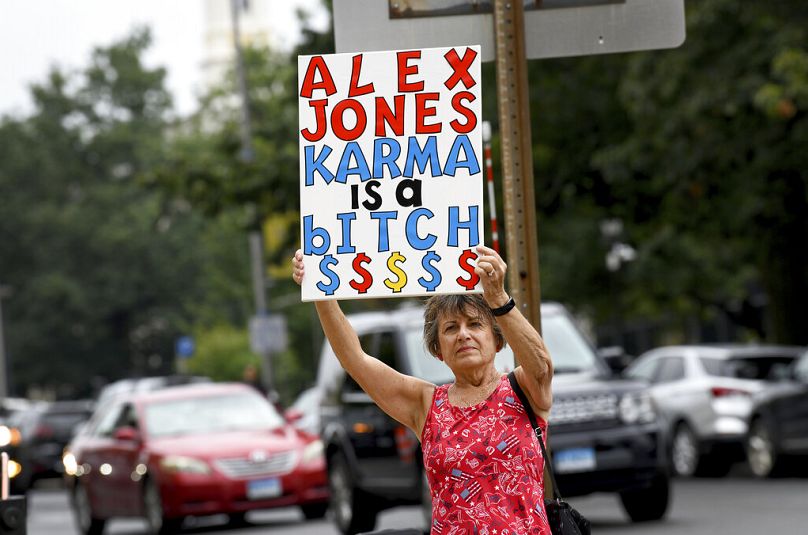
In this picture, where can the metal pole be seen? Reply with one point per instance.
(256, 238)
(4, 292)
(517, 159)
(489, 176)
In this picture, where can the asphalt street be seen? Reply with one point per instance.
(736, 505)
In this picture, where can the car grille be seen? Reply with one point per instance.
(580, 409)
(276, 464)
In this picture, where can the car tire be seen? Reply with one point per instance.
(86, 522)
(313, 511)
(158, 523)
(354, 511)
(686, 459)
(761, 454)
(650, 503)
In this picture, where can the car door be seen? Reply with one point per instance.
(384, 449)
(791, 412)
(670, 389)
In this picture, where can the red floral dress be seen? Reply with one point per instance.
(484, 466)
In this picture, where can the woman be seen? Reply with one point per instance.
(481, 456)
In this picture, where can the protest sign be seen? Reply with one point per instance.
(390, 172)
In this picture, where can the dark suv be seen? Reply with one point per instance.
(603, 433)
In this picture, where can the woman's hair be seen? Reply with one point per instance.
(468, 305)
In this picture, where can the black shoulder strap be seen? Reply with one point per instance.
(536, 429)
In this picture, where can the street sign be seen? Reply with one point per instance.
(268, 334)
(584, 28)
(184, 347)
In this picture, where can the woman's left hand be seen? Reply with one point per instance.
(491, 269)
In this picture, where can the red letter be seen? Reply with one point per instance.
(356, 90)
(319, 115)
(471, 121)
(404, 70)
(339, 125)
(385, 115)
(326, 83)
(460, 68)
(422, 112)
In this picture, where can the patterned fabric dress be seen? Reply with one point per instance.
(484, 466)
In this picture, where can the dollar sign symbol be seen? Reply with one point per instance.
(367, 279)
(333, 279)
(397, 285)
(466, 266)
(426, 262)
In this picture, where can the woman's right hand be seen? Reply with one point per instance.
(297, 267)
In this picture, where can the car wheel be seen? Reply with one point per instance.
(354, 512)
(684, 452)
(153, 508)
(647, 504)
(86, 521)
(761, 454)
(313, 511)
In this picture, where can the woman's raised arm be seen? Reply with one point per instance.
(406, 399)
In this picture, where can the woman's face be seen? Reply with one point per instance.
(465, 340)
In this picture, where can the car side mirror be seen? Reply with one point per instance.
(126, 433)
(616, 358)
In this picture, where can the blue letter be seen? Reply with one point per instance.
(380, 159)
(384, 237)
(470, 163)
(455, 224)
(333, 279)
(426, 261)
(415, 154)
(346, 246)
(310, 232)
(416, 242)
(318, 164)
(361, 169)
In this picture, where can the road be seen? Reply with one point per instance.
(736, 505)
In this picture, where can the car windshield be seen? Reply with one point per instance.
(758, 367)
(210, 414)
(570, 352)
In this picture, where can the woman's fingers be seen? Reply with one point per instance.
(297, 267)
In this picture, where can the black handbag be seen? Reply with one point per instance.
(563, 518)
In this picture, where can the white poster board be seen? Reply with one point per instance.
(391, 184)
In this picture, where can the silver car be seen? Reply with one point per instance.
(705, 394)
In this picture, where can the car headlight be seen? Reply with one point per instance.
(9, 436)
(186, 465)
(70, 464)
(312, 451)
(637, 407)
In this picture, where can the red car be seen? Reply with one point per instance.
(191, 451)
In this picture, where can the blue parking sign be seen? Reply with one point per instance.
(184, 346)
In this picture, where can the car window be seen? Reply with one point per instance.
(801, 369)
(211, 414)
(380, 345)
(757, 367)
(644, 370)
(106, 424)
(670, 369)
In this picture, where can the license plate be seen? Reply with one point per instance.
(574, 460)
(264, 488)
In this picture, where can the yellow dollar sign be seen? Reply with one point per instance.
(395, 270)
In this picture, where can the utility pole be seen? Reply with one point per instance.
(5, 291)
(247, 155)
(521, 238)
